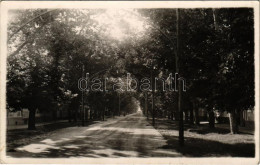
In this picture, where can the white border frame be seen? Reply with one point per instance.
(6, 5)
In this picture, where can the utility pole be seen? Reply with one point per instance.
(181, 130)
(146, 109)
(82, 96)
(153, 115)
(119, 104)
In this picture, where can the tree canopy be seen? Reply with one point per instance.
(50, 50)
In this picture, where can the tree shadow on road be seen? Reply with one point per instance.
(130, 141)
(201, 141)
(121, 144)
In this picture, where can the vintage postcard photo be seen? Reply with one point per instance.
(130, 82)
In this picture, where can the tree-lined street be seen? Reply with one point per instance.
(130, 136)
(135, 72)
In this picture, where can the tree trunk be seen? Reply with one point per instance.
(31, 122)
(211, 119)
(146, 108)
(153, 111)
(175, 112)
(191, 116)
(54, 114)
(75, 115)
(103, 115)
(186, 116)
(172, 115)
(90, 114)
(233, 122)
(96, 115)
(242, 119)
(119, 105)
(69, 115)
(82, 114)
(87, 110)
(176, 116)
(196, 110)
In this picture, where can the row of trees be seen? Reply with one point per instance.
(216, 58)
(49, 50)
(49, 54)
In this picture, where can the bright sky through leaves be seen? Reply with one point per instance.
(120, 24)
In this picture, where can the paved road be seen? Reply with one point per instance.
(130, 136)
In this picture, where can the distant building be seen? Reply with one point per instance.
(248, 116)
(18, 117)
(21, 117)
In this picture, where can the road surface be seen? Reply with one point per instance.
(129, 136)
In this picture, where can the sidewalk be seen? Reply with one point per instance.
(24, 126)
(14, 127)
(226, 126)
(246, 130)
